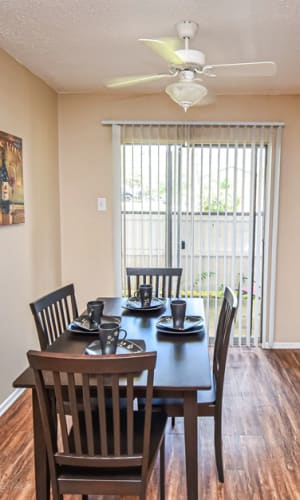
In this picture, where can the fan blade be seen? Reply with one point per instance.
(164, 47)
(264, 68)
(133, 80)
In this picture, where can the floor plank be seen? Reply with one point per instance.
(261, 437)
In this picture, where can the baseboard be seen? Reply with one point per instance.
(10, 400)
(282, 345)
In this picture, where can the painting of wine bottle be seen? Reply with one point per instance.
(11, 180)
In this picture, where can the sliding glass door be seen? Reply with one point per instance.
(200, 200)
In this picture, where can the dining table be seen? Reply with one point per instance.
(182, 368)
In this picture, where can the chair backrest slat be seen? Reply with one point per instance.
(165, 280)
(60, 409)
(60, 313)
(88, 415)
(102, 416)
(74, 412)
(129, 410)
(52, 313)
(116, 414)
(66, 316)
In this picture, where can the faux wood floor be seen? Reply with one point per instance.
(261, 431)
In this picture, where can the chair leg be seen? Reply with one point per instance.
(162, 470)
(56, 495)
(218, 446)
(172, 422)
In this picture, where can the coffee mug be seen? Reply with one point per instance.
(178, 308)
(109, 336)
(144, 294)
(95, 311)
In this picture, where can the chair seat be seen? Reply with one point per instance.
(158, 422)
(206, 397)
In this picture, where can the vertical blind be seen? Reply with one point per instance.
(204, 197)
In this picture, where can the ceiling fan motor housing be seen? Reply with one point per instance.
(191, 56)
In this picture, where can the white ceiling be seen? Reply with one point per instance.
(77, 45)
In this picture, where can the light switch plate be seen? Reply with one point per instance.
(101, 204)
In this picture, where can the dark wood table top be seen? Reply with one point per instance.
(182, 360)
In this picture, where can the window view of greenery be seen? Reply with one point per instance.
(212, 179)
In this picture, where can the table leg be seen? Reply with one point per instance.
(191, 445)
(42, 480)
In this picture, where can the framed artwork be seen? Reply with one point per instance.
(11, 180)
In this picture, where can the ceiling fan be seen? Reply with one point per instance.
(190, 67)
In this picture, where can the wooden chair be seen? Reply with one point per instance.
(165, 280)
(209, 403)
(52, 313)
(113, 451)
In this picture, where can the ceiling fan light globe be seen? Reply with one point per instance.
(186, 93)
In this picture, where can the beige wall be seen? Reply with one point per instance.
(86, 172)
(29, 253)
